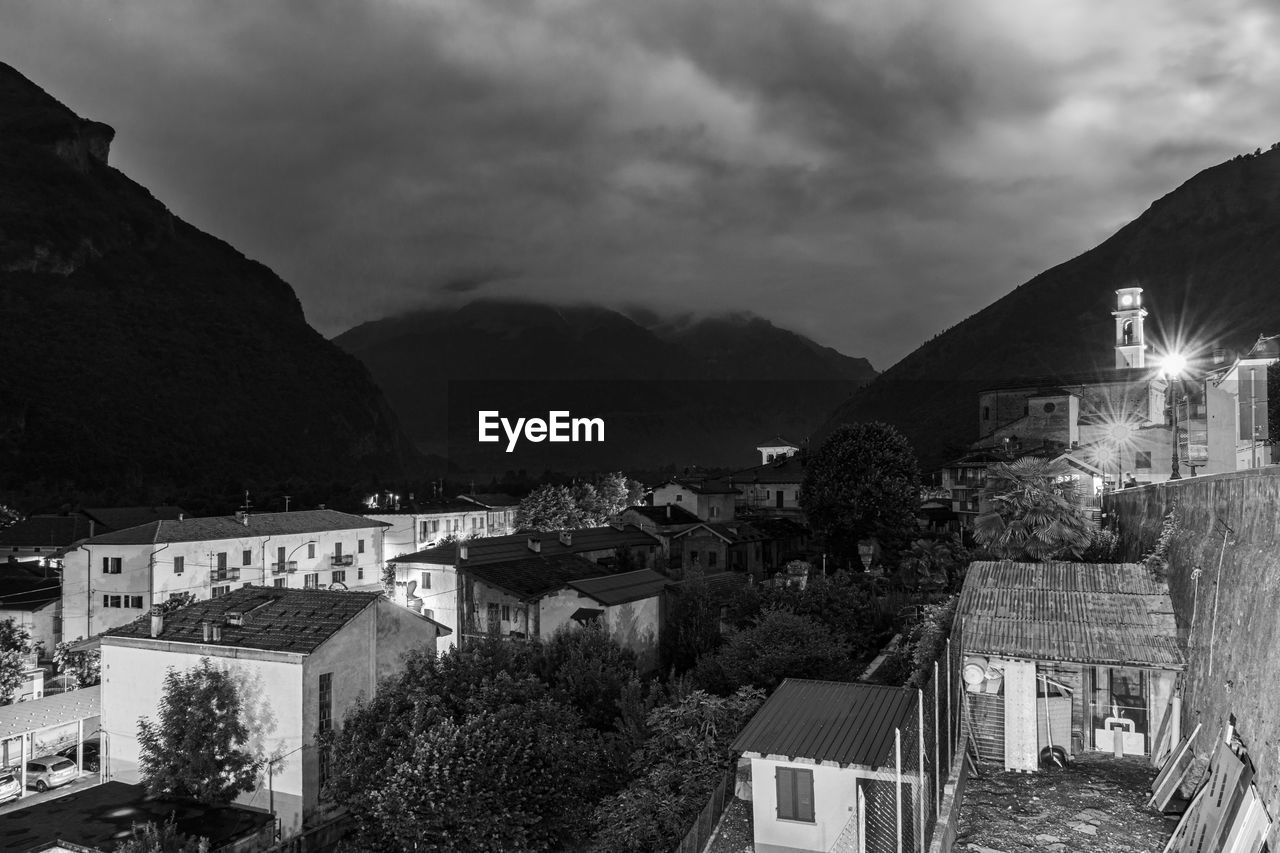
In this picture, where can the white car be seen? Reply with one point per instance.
(10, 787)
(50, 771)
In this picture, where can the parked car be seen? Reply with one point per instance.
(91, 760)
(50, 771)
(10, 787)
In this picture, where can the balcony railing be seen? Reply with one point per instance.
(227, 574)
(284, 568)
(343, 559)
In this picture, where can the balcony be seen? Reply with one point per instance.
(284, 568)
(342, 560)
(227, 574)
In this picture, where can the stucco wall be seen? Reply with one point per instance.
(271, 687)
(1233, 645)
(833, 801)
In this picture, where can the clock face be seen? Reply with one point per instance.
(1126, 300)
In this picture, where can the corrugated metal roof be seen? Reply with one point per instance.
(50, 711)
(622, 588)
(829, 721)
(1112, 613)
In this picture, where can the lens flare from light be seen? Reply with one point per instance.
(1172, 365)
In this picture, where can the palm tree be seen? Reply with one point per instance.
(1035, 512)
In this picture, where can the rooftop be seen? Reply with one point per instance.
(428, 508)
(54, 710)
(622, 588)
(100, 816)
(732, 532)
(848, 723)
(121, 517)
(230, 527)
(491, 500)
(274, 619)
(28, 593)
(535, 575)
(494, 549)
(776, 441)
(666, 514)
(704, 487)
(45, 531)
(1112, 613)
(788, 470)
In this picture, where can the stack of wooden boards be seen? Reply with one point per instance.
(1225, 814)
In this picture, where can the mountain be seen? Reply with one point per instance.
(1206, 255)
(680, 390)
(138, 353)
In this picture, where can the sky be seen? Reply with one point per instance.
(866, 173)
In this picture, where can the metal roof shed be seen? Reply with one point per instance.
(28, 721)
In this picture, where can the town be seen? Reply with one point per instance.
(825, 650)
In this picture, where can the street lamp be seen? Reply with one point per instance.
(1172, 367)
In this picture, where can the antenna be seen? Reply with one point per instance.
(286, 503)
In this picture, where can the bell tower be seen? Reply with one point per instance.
(1131, 342)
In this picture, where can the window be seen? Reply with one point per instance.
(423, 530)
(715, 512)
(1142, 459)
(711, 559)
(246, 558)
(795, 794)
(693, 558)
(135, 601)
(506, 613)
(111, 565)
(311, 581)
(359, 546)
(986, 413)
(339, 577)
(279, 582)
(360, 572)
(222, 562)
(435, 526)
(325, 720)
(219, 591)
(111, 600)
(337, 549)
(426, 580)
(179, 565)
(679, 498)
(311, 550)
(1049, 408)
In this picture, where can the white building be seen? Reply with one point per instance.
(823, 757)
(114, 578)
(300, 657)
(421, 526)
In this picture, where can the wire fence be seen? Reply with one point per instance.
(696, 838)
(901, 801)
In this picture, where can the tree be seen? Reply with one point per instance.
(547, 509)
(196, 746)
(465, 752)
(83, 667)
(863, 481)
(9, 515)
(934, 562)
(1035, 511)
(164, 837)
(692, 626)
(15, 647)
(778, 644)
(843, 602)
(680, 763)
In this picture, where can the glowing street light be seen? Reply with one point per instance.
(1171, 368)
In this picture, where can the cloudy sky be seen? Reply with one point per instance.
(868, 173)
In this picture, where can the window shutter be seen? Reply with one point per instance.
(106, 562)
(804, 795)
(786, 791)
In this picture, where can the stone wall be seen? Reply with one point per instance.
(1224, 578)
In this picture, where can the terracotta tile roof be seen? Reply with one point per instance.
(622, 588)
(666, 514)
(1107, 614)
(846, 723)
(229, 527)
(732, 532)
(492, 549)
(535, 575)
(275, 618)
(704, 487)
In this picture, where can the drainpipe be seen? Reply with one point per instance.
(88, 598)
(151, 575)
(264, 560)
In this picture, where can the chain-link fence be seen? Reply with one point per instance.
(902, 801)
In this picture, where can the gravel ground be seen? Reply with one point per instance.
(1097, 804)
(733, 834)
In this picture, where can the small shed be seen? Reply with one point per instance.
(827, 767)
(1066, 656)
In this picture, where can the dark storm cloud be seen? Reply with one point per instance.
(868, 174)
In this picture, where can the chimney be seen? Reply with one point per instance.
(157, 621)
(566, 538)
(181, 516)
(235, 617)
(242, 516)
(205, 631)
(668, 512)
(534, 544)
(462, 550)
